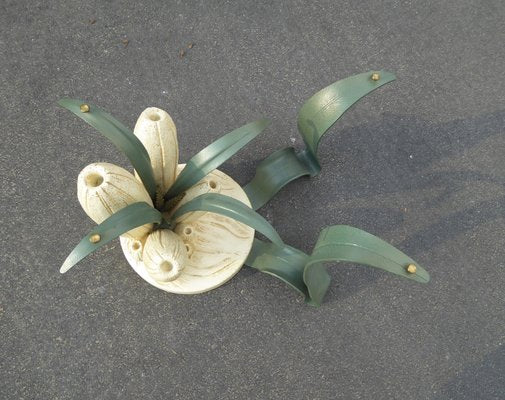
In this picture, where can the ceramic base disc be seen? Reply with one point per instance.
(217, 245)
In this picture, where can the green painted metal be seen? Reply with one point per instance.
(304, 273)
(348, 244)
(229, 207)
(124, 220)
(215, 154)
(283, 262)
(318, 281)
(315, 118)
(276, 171)
(324, 108)
(307, 274)
(122, 137)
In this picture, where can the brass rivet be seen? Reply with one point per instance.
(375, 76)
(411, 269)
(84, 108)
(95, 238)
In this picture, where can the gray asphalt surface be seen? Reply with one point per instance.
(419, 162)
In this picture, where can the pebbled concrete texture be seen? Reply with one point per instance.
(419, 162)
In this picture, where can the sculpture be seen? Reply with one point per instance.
(189, 228)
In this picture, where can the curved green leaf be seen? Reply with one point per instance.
(324, 108)
(283, 262)
(318, 280)
(345, 243)
(274, 172)
(315, 118)
(122, 137)
(307, 274)
(124, 220)
(212, 156)
(229, 207)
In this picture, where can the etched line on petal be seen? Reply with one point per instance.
(104, 203)
(163, 162)
(123, 191)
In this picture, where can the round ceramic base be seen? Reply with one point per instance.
(217, 245)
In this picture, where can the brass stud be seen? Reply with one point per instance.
(95, 238)
(84, 108)
(411, 269)
(375, 76)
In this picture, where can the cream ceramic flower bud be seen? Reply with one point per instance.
(157, 132)
(164, 255)
(104, 189)
(135, 247)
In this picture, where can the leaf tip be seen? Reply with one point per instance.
(263, 123)
(425, 276)
(420, 274)
(391, 73)
(388, 75)
(66, 266)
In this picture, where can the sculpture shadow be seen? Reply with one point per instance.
(479, 381)
(403, 149)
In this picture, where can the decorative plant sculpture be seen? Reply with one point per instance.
(190, 228)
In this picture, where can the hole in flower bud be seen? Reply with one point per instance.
(136, 246)
(93, 179)
(213, 184)
(188, 230)
(153, 116)
(166, 266)
(189, 250)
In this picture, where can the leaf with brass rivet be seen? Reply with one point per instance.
(174, 219)
(94, 238)
(411, 269)
(84, 108)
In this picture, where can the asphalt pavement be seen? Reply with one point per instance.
(419, 162)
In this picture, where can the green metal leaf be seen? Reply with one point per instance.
(229, 207)
(323, 109)
(318, 280)
(122, 137)
(288, 264)
(274, 172)
(124, 220)
(307, 274)
(215, 154)
(345, 243)
(283, 262)
(315, 118)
